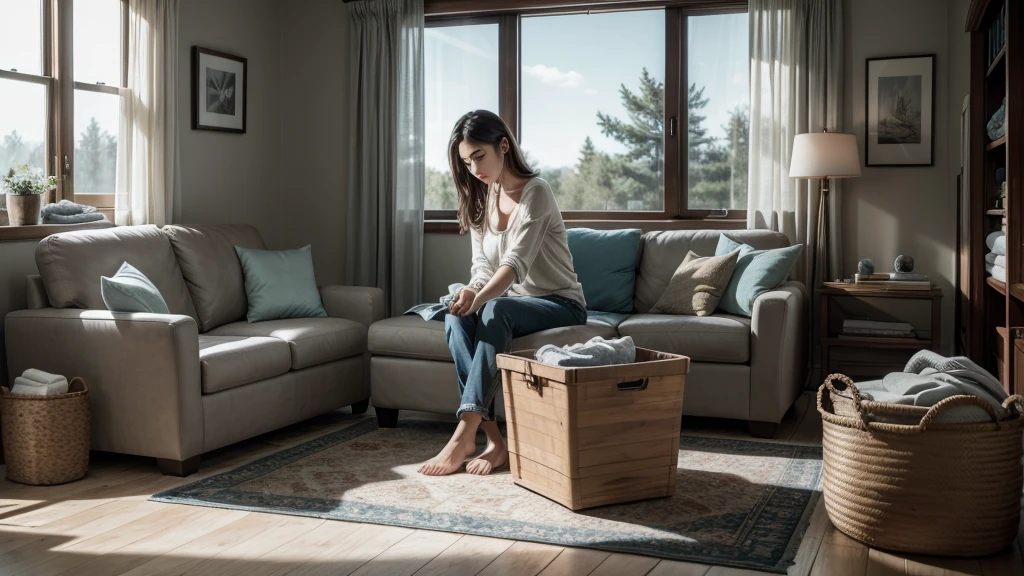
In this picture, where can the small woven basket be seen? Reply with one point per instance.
(923, 488)
(46, 438)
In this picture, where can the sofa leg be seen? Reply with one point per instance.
(180, 468)
(387, 417)
(762, 429)
(361, 407)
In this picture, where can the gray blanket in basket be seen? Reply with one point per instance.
(929, 378)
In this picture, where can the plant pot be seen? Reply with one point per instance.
(23, 209)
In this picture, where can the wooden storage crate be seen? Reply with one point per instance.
(599, 435)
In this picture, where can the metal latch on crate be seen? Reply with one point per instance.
(531, 380)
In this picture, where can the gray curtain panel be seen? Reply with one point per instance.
(796, 86)
(386, 179)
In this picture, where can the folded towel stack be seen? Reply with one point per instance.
(67, 212)
(594, 352)
(995, 260)
(38, 383)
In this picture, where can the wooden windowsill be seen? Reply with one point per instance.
(452, 226)
(40, 231)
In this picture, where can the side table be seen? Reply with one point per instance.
(830, 339)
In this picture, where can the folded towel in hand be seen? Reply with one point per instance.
(72, 219)
(996, 242)
(594, 352)
(39, 383)
(996, 259)
(66, 208)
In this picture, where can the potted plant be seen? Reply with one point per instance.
(25, 187)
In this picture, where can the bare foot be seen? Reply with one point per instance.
(494, 457)
(451, 457)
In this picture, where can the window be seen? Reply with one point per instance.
(593, 111)
(598, 98)
(461, 74)
(69, 129)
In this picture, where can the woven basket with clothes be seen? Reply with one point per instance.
(949, 489)
(46, 438)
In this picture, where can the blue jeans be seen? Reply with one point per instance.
(477, 339)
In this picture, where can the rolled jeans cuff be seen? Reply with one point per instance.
(475, 408)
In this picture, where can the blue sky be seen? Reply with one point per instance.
(573, 66)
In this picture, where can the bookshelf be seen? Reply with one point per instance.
(989, 310)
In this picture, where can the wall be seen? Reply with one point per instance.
(891, 211)
(314, 124)
(228, 177)
(17, 260)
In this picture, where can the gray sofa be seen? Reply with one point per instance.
(173, 386)
(742, 368)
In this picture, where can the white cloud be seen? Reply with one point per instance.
(554, 76)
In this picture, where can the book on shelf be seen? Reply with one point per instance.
(887, 276)
(883, 285)
(855, 328)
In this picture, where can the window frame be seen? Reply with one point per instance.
(508, 14)
(57, 76)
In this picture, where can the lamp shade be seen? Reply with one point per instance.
(824, 155)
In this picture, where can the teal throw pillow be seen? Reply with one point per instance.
(280, 284)
(605, 263)
(130, 291)
(756, 272)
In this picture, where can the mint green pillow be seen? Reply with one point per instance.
(605, 264)
(756, 272)
(280, 284)
(130, 291)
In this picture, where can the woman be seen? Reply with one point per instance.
(519, 247)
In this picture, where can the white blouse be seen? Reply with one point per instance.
(534, 244)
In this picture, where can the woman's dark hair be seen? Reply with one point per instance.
(486, 128)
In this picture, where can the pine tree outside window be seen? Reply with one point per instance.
(598, 96)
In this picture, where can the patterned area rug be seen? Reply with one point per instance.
(737, 502)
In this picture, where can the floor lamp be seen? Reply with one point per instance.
(824, 155)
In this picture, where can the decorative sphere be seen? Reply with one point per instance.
(866, 266)
(904, 263)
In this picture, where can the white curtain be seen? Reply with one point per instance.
(386, 164)
(147, 138)
(796, 86)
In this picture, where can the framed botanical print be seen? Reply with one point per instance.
(218, 91)
(900, 111)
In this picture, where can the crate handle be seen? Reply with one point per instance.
(531, 380)
(632, 385)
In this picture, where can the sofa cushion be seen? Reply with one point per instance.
(280, 284)
(230, 361)
(605, 264)
(661, 253)
(130, 291)
(312, 341)
(410, 336)
(757, 271)
(71, 264)
(211, 269)
(715, 338)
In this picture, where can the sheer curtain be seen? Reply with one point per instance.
(796, 86)
(148, 136)
(386, 164)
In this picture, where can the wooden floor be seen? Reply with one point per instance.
(103, 525)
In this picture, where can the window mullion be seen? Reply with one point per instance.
(65, 97)
(508, 76)
(675, 112)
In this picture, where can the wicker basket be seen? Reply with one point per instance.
(46, 438)
(924, 488)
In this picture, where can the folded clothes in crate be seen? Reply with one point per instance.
(594, 352)
(38, 383)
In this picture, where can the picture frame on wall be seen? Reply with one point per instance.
(218, 91)
(900, 100)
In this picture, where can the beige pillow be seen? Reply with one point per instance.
(697, 285)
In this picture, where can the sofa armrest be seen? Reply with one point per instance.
(778, 346)
(142, 371)
(363, 304)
